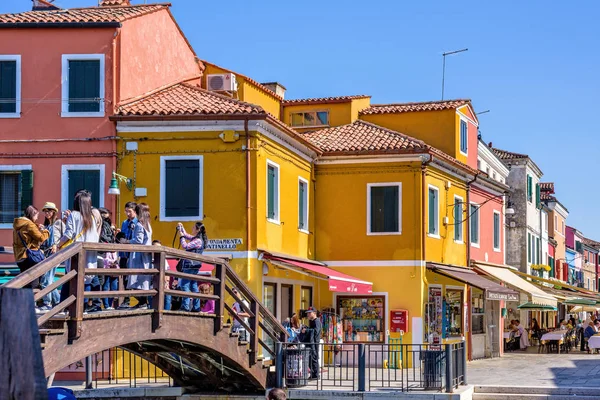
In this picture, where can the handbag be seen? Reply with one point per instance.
(34, 256)
(71, 241)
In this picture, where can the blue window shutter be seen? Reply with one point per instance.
(84, 86)
(8, 86)
(463, 136)
(271, 192)
(457, 220)
(85, 179)
(496, 231)
(474, 221)
(26, 188)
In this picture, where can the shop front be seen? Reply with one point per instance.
(478, 317)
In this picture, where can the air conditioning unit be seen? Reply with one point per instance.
(221, 82)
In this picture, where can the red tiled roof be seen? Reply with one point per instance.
(547, 196)
(591, 243)
(361, 136)
(81, 15)
(323, 100)
(547, 187)
(413, 107)
(507, 155)
(186, 99)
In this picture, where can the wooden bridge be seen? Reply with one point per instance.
(197, 350)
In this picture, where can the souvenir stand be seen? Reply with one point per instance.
(332, 336)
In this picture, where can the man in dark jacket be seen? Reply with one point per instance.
(312, 336)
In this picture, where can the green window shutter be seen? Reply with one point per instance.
(8, 86)
(26, 188)
(301, 190)
(385, 209)
(528, 247)
(85, 179)
(432, 205)
(496, 231)
(537, 195)
(84, 86)
(529, 188)
(537, 250)
(182, 188)
(271, 192)
(474, 222)
(458, 220)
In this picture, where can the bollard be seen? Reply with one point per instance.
(279, 365)
(88, 373)
(361, 368)
(449, 387)
(464, 362)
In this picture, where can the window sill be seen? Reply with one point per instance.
(66, 114)
(434, 236)
(474, 244)
(180, 219)
(497, 250)
(274, 221)
(10, 115)
(384, 233)
(6, 226)
(459, 241)
(463, 153)
(303, 231)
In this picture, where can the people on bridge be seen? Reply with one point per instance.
(237, 327)
(83, 225)
(194, 243)
(109, 258)
(127, 229)
(28, 236)
(56, 227)
(142, 234)
(311, 336)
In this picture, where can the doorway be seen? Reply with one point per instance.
(287, 301)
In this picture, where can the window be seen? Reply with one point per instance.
(556, 223)
(434, 211)
(303, 204)
(82, 85)
(384, 208)
(458, 219)
(272, 192)
(546, 222)
(474, 221)
(529, 188)
(496, 230)
(181, 188)
(537, 195)
(464, 137)
(16, 192)
(82, 176)
(551, 264)
(363, 318)
(479, 165)
(305, 297)
(528, 247)
(10, 86)
(310, 119)
(563, 227)
(538, 250)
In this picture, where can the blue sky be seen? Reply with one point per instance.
(533, 64)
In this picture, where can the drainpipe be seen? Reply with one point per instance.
(424, 164)
(468, 263)
(248, 195)
(117, 199)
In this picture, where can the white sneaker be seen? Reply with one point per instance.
(109, 308)
(45, 308)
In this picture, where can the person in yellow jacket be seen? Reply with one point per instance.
(28, 234)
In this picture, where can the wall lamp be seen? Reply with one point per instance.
(114, 183)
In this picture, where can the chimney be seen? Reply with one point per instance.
(109, 3)
(43, 5)
(490, 145)
(276, 87)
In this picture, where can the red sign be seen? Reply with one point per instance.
(399, 321)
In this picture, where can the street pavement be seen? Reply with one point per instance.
(575, 369)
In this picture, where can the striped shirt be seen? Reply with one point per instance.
(189, 242)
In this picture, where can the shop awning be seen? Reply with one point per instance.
(493, 291)
(338, 282)
(567, 294)
(535, 307)
(504, 274)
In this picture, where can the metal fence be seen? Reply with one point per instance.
(368, 366)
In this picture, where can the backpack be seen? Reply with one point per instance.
(106, 233)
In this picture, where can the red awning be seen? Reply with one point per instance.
(338, 282)
(204, 269)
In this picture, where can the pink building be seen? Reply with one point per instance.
(64, 73)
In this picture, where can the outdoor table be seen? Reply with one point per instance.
(555, 336)
(506, 335)
(594, 342)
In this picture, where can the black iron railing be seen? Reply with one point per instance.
(367, 366)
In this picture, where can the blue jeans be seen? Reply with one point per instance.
(110, 283)
(186, 285)
(93, 286)
(167, 302)
(52, 298)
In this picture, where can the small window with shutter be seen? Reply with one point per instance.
(16, 193)
(302, 204)
(10, 86)
(181, 188)
(272, 192)
(83, 85)
(384, 208)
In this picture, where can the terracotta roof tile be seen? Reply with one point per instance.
(591, 243)
(547, 196)
(186, 99)
(320, 100)
(81, 15)
(361, 136)
(547, 187)
(507, 155)
(413, 107)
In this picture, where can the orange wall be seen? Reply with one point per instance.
(153, 54)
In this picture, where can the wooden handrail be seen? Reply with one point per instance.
(121, 293)
(200, 296)
(40, 269)
(239, 319)
(55, 310)
(120, 271)
(67, 277)
(169, 251)
(192, 277)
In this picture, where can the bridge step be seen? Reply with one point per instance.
(242, 343)
(234, 334)
(226, 325)
(52, 331)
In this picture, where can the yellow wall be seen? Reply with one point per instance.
(444, 249)
(250, 92)
(437, 128)
(339, 113)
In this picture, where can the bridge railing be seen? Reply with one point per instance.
(260, 323)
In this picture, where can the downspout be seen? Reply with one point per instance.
(248, 196)
(117, 200)
(468, 263)
(424, 164)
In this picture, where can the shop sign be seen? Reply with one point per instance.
(223, 244)
(399, 321)
(501, 296)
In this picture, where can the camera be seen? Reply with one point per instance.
(178, 227)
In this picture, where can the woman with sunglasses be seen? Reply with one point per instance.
(56, 227)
